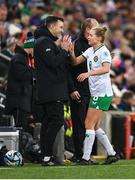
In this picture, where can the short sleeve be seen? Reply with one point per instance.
(105, 57)
(86, 53)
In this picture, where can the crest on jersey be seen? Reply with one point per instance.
(96, 58)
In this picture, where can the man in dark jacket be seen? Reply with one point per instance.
(19, 86)
(52, 88)
(81, 95)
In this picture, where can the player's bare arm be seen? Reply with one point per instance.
(105, 69)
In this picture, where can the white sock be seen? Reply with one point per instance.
(103, 139)
(46, 158)
(88, 143)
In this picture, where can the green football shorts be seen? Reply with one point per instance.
(102, 103)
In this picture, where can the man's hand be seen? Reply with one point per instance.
(83, 76)
(75, 95)
(66, 42)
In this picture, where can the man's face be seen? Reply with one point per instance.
(57, 28)
(94, 23)
(3, 12)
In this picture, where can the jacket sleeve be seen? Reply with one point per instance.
(71, 85)
(47, 52)
(77, 48)
(19, 68)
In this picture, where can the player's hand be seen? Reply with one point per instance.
(75, 95)
(83, 76)
(71, 49)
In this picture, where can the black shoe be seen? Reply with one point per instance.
(94, 161)
(111, 159)
(48, 163)
(87, 162)
(74, 159)
(52, 162)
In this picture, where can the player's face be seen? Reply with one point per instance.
(58, 29)
(92, 38)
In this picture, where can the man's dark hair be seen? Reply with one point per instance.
(52, 19)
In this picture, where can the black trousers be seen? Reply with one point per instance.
(21, 118)
(78, 114)
(52, 122)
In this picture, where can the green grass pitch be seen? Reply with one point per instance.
(123, 169)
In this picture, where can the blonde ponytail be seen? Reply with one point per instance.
(100, 31)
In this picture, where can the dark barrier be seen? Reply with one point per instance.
(118, 134)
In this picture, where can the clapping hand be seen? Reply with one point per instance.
(66, 42)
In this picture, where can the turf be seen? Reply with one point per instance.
(123, 169)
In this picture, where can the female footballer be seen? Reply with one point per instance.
(98, 63)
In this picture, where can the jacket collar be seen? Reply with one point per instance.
(43, 31)
(49, 34)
